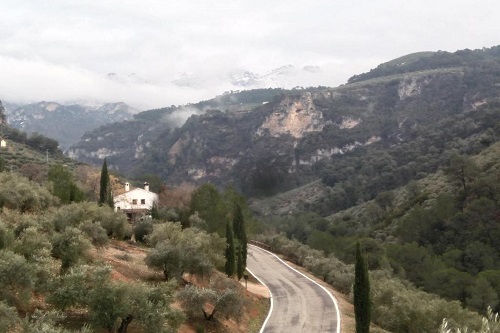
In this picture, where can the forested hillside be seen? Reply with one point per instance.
(69, 265)
(360, 139)
(403, 159)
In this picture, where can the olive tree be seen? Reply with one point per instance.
(70, 246)
(17, 277)
(18, 193)
(47, 322)
(113, 306)
(178, 251)
(221, 297)
(8, 318)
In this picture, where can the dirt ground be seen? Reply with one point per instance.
(127, 261)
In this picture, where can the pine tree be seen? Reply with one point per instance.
(362, 302)
(105, 195)
(240, 234)
(230, 251)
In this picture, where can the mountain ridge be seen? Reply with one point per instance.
(294, 137)
(65, 123)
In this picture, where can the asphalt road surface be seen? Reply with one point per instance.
(297, 303)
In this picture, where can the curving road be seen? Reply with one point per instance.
(298, 304)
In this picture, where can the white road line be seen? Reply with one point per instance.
(270, 297)
(293, 269)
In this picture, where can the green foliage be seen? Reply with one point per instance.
(482, 295)
(31, 243)
(70, 246)
(80, 215)
(105, 194)
(398, 307)
(19, 193)
(142, 229)
(490, 324)
(70, 289)
(17, 278)
(230, 253)
(47, 322)
(95, 232)
(115, 305)
(220, 297)
(63, 185)
(361, 290)
(428, 60)
(241, 240)
(8, 318)
(6, 236)
(209, 204)
(178, 251)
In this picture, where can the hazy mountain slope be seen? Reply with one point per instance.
(22, 151)
(3, 116)
(128, 144)
(430, 60)
(359, 139)
(66, 123)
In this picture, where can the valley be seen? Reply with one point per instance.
(401, 161)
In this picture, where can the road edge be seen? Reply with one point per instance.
(270, 297)
(297, 271)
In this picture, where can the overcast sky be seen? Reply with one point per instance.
(61, 50)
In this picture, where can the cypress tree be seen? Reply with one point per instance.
(362, 301)
(105, 195)
(230, 251)
(155, 214)
(240, 234)
(240, 269)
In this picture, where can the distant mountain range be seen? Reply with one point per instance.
(65, 123)
(287, 76)
(277, 77)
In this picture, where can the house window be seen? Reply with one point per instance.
(143, 201)
(134, 201)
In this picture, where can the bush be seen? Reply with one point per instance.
(18, 193)
(142, 229)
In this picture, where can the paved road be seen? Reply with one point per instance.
(297, 303)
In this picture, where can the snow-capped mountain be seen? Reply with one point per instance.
(285, 76)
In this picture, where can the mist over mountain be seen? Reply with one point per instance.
(65, 123)
(287, 76)
(267, 141)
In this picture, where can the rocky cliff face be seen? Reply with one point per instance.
(288, 139)
(293, 116)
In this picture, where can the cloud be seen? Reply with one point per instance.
(26, 81)
(181, 115)
(63, 49)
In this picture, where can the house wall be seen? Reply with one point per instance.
(126, 200)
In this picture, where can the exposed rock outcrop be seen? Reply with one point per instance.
(295, 117)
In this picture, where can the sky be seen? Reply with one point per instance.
(62, 50)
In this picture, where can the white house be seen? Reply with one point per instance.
(3, 143)
(135, 202)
